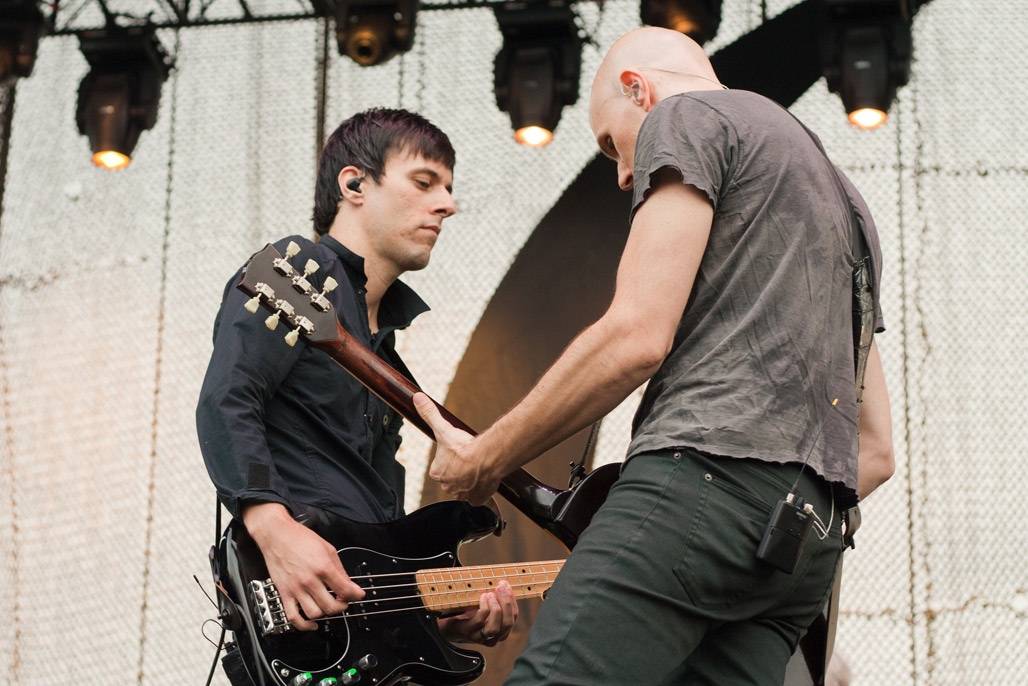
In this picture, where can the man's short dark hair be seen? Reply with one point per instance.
(364, 141)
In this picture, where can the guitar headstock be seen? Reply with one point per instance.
(282, 288)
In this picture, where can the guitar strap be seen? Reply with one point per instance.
(862, 280)
(818, 643)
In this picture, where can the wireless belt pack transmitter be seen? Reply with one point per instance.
(791, 521)
(785, 533)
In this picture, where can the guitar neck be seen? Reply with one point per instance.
(451, 589)
(521, 489)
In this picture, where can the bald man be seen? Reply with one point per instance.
(734, 298)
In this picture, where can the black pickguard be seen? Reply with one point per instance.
(404, 643)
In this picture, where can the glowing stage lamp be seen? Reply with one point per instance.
(533, 136)
(119, 98)
(866, 51)
(867, 118)
(111, 160)
(536, 72)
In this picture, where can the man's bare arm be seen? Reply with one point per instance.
(609, 359)
(875, 461)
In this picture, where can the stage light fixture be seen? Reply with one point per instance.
(866, 50)
(118, 99)
(536, 72)
(698, 19)
(371, 32)
(21, 25)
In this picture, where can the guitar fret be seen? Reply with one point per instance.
(445, 589)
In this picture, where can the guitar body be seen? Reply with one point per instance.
(392, 625)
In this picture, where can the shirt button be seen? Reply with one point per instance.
(385, 420)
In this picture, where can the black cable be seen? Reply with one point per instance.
(214, 663)
(578, 470)
(221, 639)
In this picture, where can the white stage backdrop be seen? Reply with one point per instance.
(109, 284)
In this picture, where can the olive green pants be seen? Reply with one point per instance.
(664, 586)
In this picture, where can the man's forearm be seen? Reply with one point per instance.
(595, 373)
(875, 460)
(260, 518)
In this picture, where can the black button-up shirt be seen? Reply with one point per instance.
(289, 425)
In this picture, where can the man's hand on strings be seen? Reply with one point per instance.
(304, 567)
(457, 466)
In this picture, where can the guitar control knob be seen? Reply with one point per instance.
(301, 679)
(350, 676)
(367, 662)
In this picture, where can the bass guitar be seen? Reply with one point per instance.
(410, 574)
(409, 567)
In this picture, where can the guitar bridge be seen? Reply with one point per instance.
(267, 608)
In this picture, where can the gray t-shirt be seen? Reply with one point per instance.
(765, 342)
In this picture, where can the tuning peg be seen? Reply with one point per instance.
(272, 322)
(330, 285)
(292, 249)
(310, 267)
(253, 304)
(292, 337)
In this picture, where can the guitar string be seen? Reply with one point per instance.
(444, 581)
(461, 569)
(420, 607)
(442, 592)
(413, 608)
(438, 593)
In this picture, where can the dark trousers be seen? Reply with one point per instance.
(664, 587)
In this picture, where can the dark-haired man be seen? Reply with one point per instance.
(285, 430)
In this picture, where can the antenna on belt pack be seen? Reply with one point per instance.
(791, 521)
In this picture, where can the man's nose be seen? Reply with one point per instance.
(446, 207)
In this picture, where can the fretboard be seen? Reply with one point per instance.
(458, 588)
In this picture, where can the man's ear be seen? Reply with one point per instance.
(349, 180)
(638, 88)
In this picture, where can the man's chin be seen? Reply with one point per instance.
(416, 262)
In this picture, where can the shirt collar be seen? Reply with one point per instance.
(400, 304)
